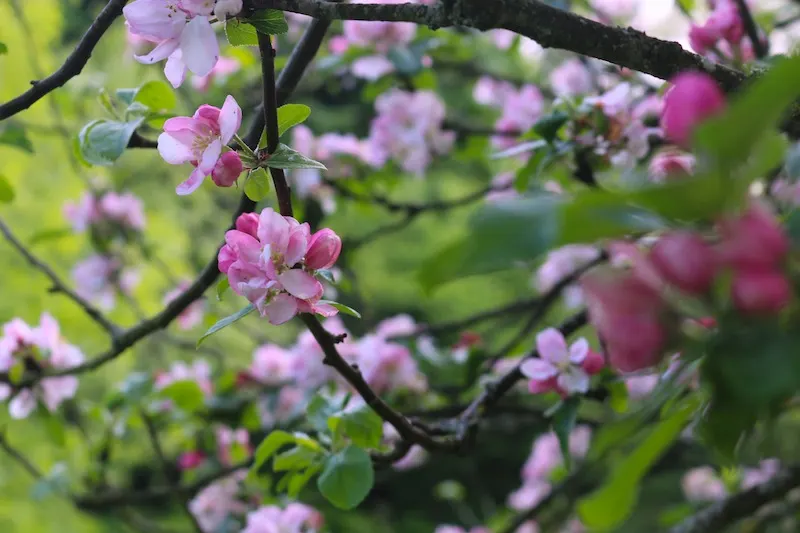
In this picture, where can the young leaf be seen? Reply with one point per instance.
(6, 191)
(342, 308)
(271, 444)
(47, 235)
(3, 49)
(156, 95)
(285, 157)
(186, 394)
(362, 425)
(347, 477)
(14, 135)
(300, 479)
(257, 185)
(297, 458)
(240, 33)
(222, 288)
(290, 115)
(103, 141)
(318, 411)
(269, 22)
(227, 321)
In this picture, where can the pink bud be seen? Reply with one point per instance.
(227, 169)
(693, 98)
(753, 240)
(226, 258)
(637, 343)
(760, 292)
(191, 460)
(684, 260)
(248, 223)
(323, 250)
(593, 363)
(703, 38)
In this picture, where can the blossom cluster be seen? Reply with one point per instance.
(561, 368)
(98, 210)
(272, 260)
(722, 36)
(703, 484)
(101, 277)
(38, 349)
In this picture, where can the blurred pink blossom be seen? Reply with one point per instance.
(99, 278)
(193, 314)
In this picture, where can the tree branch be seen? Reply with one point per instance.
(71, 67)
(58, 285)
(20, 459)
(759, 46)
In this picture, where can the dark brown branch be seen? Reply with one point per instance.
(58, 285)
(71, 67)
(759, 45)
(717, 516)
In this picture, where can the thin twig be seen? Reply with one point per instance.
(760, 47)
(19, 458)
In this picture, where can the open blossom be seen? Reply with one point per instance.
(693, 97)
(181, 31)
(561, 367)
(561, 263)
(124, 209)
(199, 140)
(269, 267)
(408, 130)
(294, 518)
(571, 78)
(99, 278)
(521, 109)
(44, 349)
(193, 314)
(669, 164)
(228, 439)
(219, 500)
(382, 36)
(489, 91)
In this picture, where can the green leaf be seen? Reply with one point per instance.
(342, 308)
(186, 394)
(285, 157)
(6, 191)
(103, 141)
(362, 425)
(257, 185)
(222, 287)
(318, 411)
(300, 480)
(227, 321)
(157, 95)
(347, 477)
(3, 48)
(297, 458)
(290, 115)
(269, 22)
(609, 506)
(618, 396)
(563, 423)
(549, 125)
(731, 137)
(271, 444)
(240, 33)
(13, 134)
(405, 61)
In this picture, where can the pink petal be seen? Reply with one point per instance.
(176, 124)
(552, 346)
(191, 184)
(578, 351)
(210, 157)
(574, 380)
(281, 308)
(22, 404)
(296, 248)
(538, 369)
(273, 229)
(300, 284)
(245, 246)
(230, 119)
(326, 310)
(175, 69)
(199, 45)
(160, 52)
(173, 151)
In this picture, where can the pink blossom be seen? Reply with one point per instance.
(767, 469)
(502, 188)
(227, 170)
(199, 140)
(295, 518)
(760, 291)
(223, 9)
(379, 35)
(224, 67)
(571, 78)
(182, 33)
(489, 91)
(416, 456)
(668, 164)
(559, 366)
(693, 97)
(124, 209)
(408, 130)
(397, 326)
(457, 529)
(191, 460)
(753, 239)
(724, 24)
(272, 365)
(521, 109)
(44, 348)
(217, 501)
(546, 453)
(618, 9)
(98, 278)
(684, 260)
(371, 68)
(228, 440)
(192, 315)
(563, 262)
(387, 366)
(703, 484)
(529, 495)
(786, 192)
(199, 372)
(323, 249)
(640, 386)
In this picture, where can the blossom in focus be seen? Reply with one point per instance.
(693, 97)
(408, 130)
(199, 140)
(224, 67)
(192, 315)
(181, 31)
(99, 278)
(294, 518)
(41, 347)
(561, 367)
(270, 269)
(125, 210)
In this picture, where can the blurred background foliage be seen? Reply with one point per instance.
(183, 232)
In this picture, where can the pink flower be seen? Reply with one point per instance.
(191, 460)
(489, 91)
(227, 169)
(98, 278)
(684, 260)
(521, 110)
(295, 518)
(724, 24)
(217, 501)
(760, 292)
(199, 140)
(193, 314)
(753, 239)
(272, 365)
(199, 372)
(228, 439)
(703, 484)
(224, 9)
(397, 326)
(563, 262)
(457, 529)
(559, 366)
(693, 98)
(182, 31)
(571, 78)
(380, 35)
(224, 67)
(323, 249)
(124, 209)
(668, 164)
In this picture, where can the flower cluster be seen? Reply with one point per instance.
(192, 315)
(408, 130)
(561, 368)
(103, 210)
(99, 278)
(218, 501)
(703, 484)
(272, 261)
(200, 140)
(294, 518)
(37, 349)
(723, 34)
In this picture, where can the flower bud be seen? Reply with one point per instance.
(638, 344)
(593, 363)
(191, 460)
(684, 260)
(760, 292)
(323, 250)
(248, 223)
(693, 98)
(227, 169)
(753, 240)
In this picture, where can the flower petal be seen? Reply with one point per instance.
(573, 380)
(230, 119)
(192, 184)
(274, 230)
(538, 369)
(173, 151)
(199, 45)
(280, 309)
(301, 284)
(552, 346)
(578, 351)
(160, 52)
(22, 404)
(175, 69)
(210, 157)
